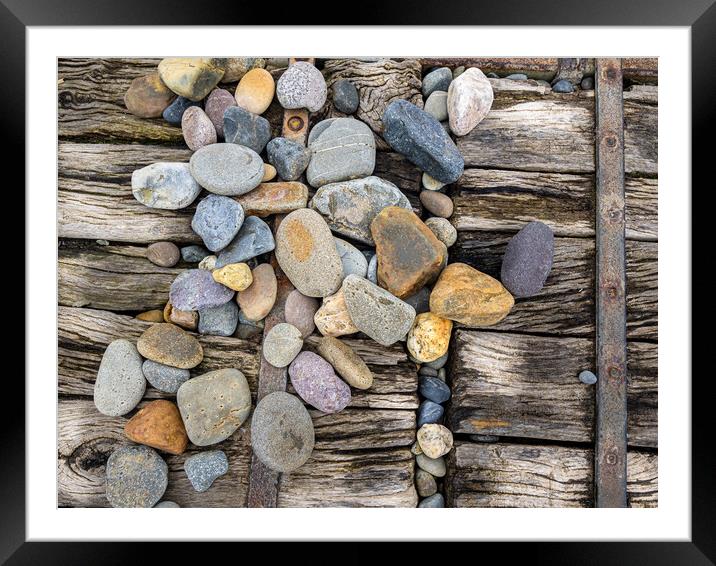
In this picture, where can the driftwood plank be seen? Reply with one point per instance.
(517, 475)
(527, 386)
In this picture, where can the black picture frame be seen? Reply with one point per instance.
(700, 16)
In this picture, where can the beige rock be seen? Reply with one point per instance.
(431, 184)
(170, 345)
(255, 91)
(269, 173)
(208, 263)
(470, 98)
(346, 362)
(191, 77)
(435, 440)
(332, 319)
(429, 337)
(236, 276)
(257, 300)
(151, 316)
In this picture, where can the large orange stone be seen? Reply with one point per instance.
(158, 425)
(409, 254)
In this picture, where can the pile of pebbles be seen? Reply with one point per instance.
(359, 258)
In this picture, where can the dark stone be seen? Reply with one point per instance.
(219, 321)
(217, 220)
(439, 79)
(288, 157)
(428, 371)
(528, 260)
(492, 75)
(345, 96)
(194, 254)
(175, 110)
(244, 128)
(587, 83)
(433, 389)
(563, 86)
(429, 413)
(254, 238)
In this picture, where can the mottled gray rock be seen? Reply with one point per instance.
(345, 96)
(317, 384)
(219, 321)
(169, 186)
(443, 230)
(288, 157)
(163, 377)
(120, 383)
(203, 468)
(587, 83)
(227, 168)
(436, 105)
(253, 239)
(194, 253)
(439, 363)
(218, 101)
(425, 483)
(136, 476)
(196, 289)
(429, 412)
(197, 128)
(434, 466)
(372, 274)
(353, 260)
(587, 377)
(245, 128)
(470, 98)
(282, 344)
(563, 86)
(434, 501)
(302, 86)
(300, 310)
(318, 129)
(528, 260)
(420, 301)
(167, 505)
(517, 77)
(438, 79)
(217, 220)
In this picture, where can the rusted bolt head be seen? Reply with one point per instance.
(611, 459)
(611, 141)
(295, 123)
(615, 372)
(612, 292)
(610, 73)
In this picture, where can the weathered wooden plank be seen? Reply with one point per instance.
(518, 475)
(527, 386)
(498, 200)
(543, 68)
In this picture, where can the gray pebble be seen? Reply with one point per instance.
(427, 372)
(168, 186)
(441, 374)
(227, 168)
(425, 483)
(443, 230)
(373, 270)
(563, 86)
(436, 105)
(345, 96)
(288, 157)
(166, 505)
(434, 389)
(219, 321)
(429, 413)
(253, 239)
(587, 377)
(528, 260)
(217, 220)
(587, 83)
(246, 128)
(194, 254)
(164, 378)
(195, 289)
(282, 344)
(120, 383)
(203, 468)
(517, 77)
(434, 466)
(136, 476)
(434, 501)
(486, 438)
(439, 363)
(439, 79)
(352, 259)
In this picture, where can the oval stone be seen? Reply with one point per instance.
(170, 345)
(469, 100)
(299, 310)
(205, 467)
(436, 80)
(217, 220)
(254, 238)
(197, 128)
(346, 362)
(162, 377)
(317, 384)
(255, 91)
(163, 254)
(136, 476)
(216, 104)
(302, 86)
(528, 260)
(282, 344)
(434, 389)
(158, 425)
(436, 105)
(196, 289)
(227, 169)
(434, 466)
(191, 77)
(435, 440)
(429, 337)
(437, 203)
(332, 318)
(429, 412)
(147, 96)
(345, 96)
(434, 501)
(169, 186)
(425, 483)
(258, 299)
(120, 383)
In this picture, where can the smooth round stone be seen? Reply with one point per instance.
(120, 383)
(155, 315)
(587, 83)
(162, 377)
(254, 238)
(235, 276)
(563, 86)
(197, 128)
(429, 337)
(214, 405)
(244, 128)
(158, 425)
(166, 504)
(587, 377)
(219, 321)
(443, 230)
(288, 157)
(302, 86)
(427, 371)
(457, 71)
(435, 440)
(169, 345)
(372, 274)
(434, 501)
(217, 220)
(352, 258)
(345, 96)
(318, 129)
(185, 319)
(436, 105)
(255, 91)
(350, 207)
(437, 203)
(434, 389)
(275, 198)
(420, 301)
(425, 483)
(282, 434)
(191, 77)
(434, 466)
(257, 300)
(437, 80)
(163, 254)
(136, 476)
(169, 186)
(307, 253)
(430, 184)
(193, 254)
(439, 363)
(227, 168)
(269, 173)
(429, 412)
(196, 289)
(344, 150)
(282, 344)
(215, 106)
(205, 467)
(237, 67)
(147, 96)
(317, 384)
(299, 311)
(418, 136)
(528, 260)
(174, 112)
(415, 449)
(377, 313)
(346, 362)
(469, 100)
(517, 77)
(333, 319)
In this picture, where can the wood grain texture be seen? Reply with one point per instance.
(517, 475)
(527, 386)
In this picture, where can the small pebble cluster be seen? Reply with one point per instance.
(359, 258)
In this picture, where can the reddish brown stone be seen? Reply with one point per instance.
(158, 425)
(185, 319)
(147, 96)
(274, 198)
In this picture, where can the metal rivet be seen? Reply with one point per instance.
(612, 292)
(611, 141)
(611, 459)
(295, 123)
(615, 372)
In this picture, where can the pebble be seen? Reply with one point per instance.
(174, 112)
(443, 230)
(434, 389)
(344, 150)
(430, 184)
(148, 97)
(376, 312)
(434, 466)
(307, 253)
(436, 105)
(237, 67)
(191, 77)
(163, 254)
(170, 345)
(415, 449)
(434, 501)
(317, 384)
(205, 467)
(435, 440)
(162, 377)
(166, 504)
(274, 198)
(282, 344)
(587, 377)
(282, 434)
(427, 371)
(465, 295)
(151, 316)
(255, 91)
(269, 173)
(227, 168)
(425, 483)
(302, 86)
(437, 203)
(352, 258)
(345, 96)
(219, 321)
(587, 83)
(257, 300)
(196, 289)
(159, 425)
(429, 337)
(332, 318)
(492, 76)
(197, 128)
(420, 301)
(528, 260)
(517, 77)
(346, 362)
(457, 71)
(418, 136)
(214, 405)
(409, 254)
(244, 128)
(439, 363)
(216, 104)
(217, 220)
(470, 98)
(193, 254)
(299, 311)
(429, 412)
(350, 207)
(372, 274)
(254, 238)
(120, 383)
(437, 80)
(235, 276)
(169, 186)
(136, 476)
(185, 319)
(563, 86)
(441, 374)
(290, 158)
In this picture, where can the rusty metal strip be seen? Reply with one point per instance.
(611, 431)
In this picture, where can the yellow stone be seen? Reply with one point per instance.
(255, 91)
(429, 337)
(236, 276)
(151, 316)
(269, 172)
(332, 319)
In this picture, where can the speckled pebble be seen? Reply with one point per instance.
(346, 362)
(302, 86)
(425, 483)
(168, 186)
(208, 263)
(290, 158)
(435, 440)
(434, 501)
(253, 239)
(193, 254)
(282, 344)
(165, 378)
(345, 96)
(227, 168)
(120, 383)
(443, 230)
(136, 476)
(205, 467)
(430, 184)
(196, 289)
(197, 128)
(299, 311)
(217, 220)
(219, 321)
(528, 258)
(170, 345)
(317, 384)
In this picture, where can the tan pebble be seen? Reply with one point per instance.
(236, 276)
(170, 345)
(257, 300)
(346, 362)
(435, 440)
(147, 96)
(274, 198)
(163, 254)
(429, 337)
(269, 172)
(255, 91)
(431, 184)
(332, 319)
(151, 316)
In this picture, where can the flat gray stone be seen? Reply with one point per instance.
(436, 105)
(203, 468)
(195, 289)
(169, 186)
(120, 382)
(163, 377)
(587, 377)
(528, 260)
(282, 344)
(352, 258)
(219, 321)
(434, 466)
(288, 157)
(227, 169)
(217, 220)
(253, 239)
(136, 476)
(372, 274)
(246, 128)
(302, 86)
(436, 80)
